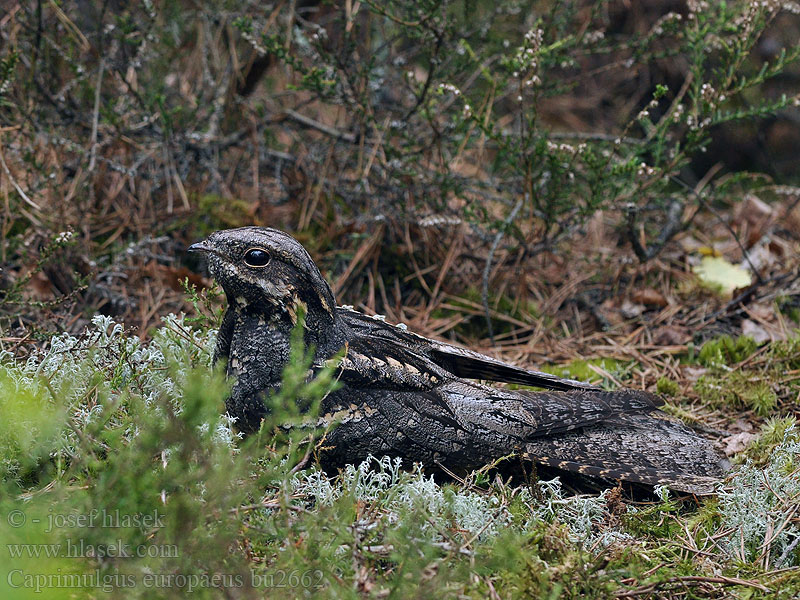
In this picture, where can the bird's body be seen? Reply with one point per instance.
(401, 394)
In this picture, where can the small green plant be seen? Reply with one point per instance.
(208, 310)
(13, 299)
(758, 384)
(105, 426)
(726, 350)
(737, 390)
(117, 430)
(667, 387)
(773, 433)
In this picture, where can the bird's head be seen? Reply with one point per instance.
(267, 271)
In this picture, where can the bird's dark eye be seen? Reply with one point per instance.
(256, 257)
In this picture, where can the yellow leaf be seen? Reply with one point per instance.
(718, 273)
(707, 251)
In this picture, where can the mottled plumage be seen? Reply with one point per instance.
(405, 395)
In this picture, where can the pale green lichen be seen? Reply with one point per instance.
(758, 508)
(382, 481)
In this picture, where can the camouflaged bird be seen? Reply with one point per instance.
(405, 395)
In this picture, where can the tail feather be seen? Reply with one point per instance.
(644, 448)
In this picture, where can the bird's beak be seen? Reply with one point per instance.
(200, 247)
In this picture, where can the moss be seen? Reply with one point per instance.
(726, 350)
(654, 521)
(789, 306)
(581, 370)
(679, 412)
(787, 352)
(154, 424)
(737, 390)
(772, 433)
(667, 387)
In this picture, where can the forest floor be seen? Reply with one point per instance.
(725, 355)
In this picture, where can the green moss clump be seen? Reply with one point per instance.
(667, 387)
(737, 390)
(580, 369)
(773, 433)
(726, 350)
(788, 352)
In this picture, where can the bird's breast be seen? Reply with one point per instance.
(259, 352)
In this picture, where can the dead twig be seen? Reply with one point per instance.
(326, 129)
(96, 115)
(14, 183)
(689, 580)
(674, 224)
(488, 267)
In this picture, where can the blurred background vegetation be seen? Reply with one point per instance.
(512, 170)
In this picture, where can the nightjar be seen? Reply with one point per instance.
(405, 395)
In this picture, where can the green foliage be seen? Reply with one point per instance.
(424, 92)
(13, 299)
(30, 424)
(439, 107)
(208, 313)
(773, 433)
(726, 350)
(105, 429)
(7, 65)
(667, 387)
(737, 390)
(758, 384)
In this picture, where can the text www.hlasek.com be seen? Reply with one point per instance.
(82, 549)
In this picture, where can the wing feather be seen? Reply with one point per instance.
(458, 361)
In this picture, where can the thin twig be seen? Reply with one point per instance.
(673, 225)
(96, 116)
(595, 137)
(486, 269)
(15, 184)
(309, 122)
(304, 461)
(787, 551)
(433, 62)
(647, 589)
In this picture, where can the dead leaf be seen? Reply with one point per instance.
(753, 216)
(610, 312)
(755, 331)
(629, 310)
(694, 373)
(762, 311)
(742, 425)
(792, 220)
(737, 442)
(40, 286)
(671, 335)
(649, 296)
(719, 274)
(762, 257)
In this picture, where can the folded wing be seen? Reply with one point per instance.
(458, 361)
